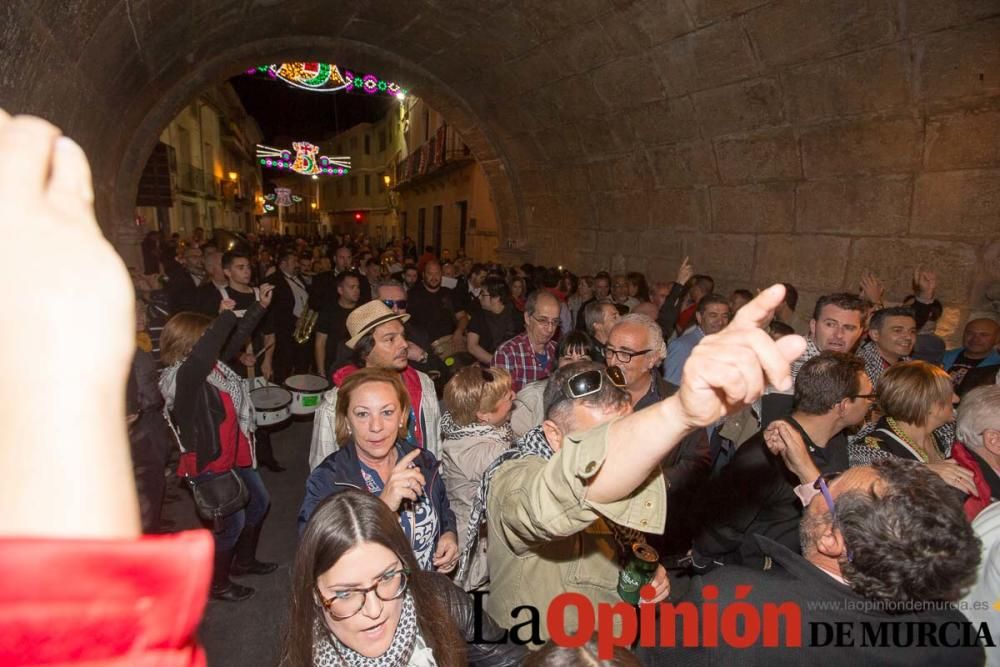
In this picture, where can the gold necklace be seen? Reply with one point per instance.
(921, 452)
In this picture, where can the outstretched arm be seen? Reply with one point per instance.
(725, 372)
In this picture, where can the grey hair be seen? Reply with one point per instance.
(978, 411)
(653, 332)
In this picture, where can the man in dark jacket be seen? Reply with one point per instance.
(636, 345)
(871, 586)
(754, 494)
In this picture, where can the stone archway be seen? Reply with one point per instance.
(147, 119)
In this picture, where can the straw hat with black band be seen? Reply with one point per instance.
(365, 318)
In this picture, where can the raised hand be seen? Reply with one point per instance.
(226, 304)
(872, 288)
(924, 283)
(266, 293)
(785, 441)
(684, 272)
(404, 483)
(730, 369)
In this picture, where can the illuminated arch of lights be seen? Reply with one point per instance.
(328, 78)
(281, 197)
(307, 160)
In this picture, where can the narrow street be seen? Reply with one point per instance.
(249, 634)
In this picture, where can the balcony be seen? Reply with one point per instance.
(442, 152)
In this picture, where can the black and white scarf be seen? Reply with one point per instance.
(408, 647)
(224, 379)
(532, 443)
(875, 364)
(452, 431)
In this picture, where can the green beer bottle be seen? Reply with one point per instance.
(637, 572)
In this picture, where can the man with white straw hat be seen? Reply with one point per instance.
(377, 340)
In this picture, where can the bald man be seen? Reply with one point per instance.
(979, 349)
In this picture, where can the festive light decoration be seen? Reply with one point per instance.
(327, 78)
(307, 160)
(281, 197)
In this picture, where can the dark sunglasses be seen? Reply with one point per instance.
(395, 303)
(590, 382)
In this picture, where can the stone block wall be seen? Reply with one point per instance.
(800, 140)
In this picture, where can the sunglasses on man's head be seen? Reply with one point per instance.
(395, 303)
(590, 382)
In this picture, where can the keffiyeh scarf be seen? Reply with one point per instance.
(875, 365)
(225, 380)
(532, 443)
(408, 647)
(452, 431)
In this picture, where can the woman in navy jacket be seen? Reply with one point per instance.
(373, 410)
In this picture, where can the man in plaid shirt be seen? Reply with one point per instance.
(532, 355)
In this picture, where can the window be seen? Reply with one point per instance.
(368, 184)
(381, 181)
(368, 144)
(354, 185)
(381, 141)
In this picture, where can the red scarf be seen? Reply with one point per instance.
(412, 381)
(973, 505)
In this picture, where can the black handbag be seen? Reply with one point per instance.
(218, 497)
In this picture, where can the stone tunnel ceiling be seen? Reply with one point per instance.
(768, 140)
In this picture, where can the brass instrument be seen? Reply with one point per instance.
(305, 325)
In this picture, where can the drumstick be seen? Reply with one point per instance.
(266, 348)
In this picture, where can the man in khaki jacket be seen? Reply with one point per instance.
(549, 519)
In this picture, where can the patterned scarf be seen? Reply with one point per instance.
(408, 647)
(875, 365)
(225, 380)
(452, 431)
(532, 443)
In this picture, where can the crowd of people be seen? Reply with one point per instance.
(495, 438)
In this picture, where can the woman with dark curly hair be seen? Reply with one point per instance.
(359, 597)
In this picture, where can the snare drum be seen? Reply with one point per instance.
(307, 392)
(271, 404)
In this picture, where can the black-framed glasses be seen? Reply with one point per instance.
(395, 303)
(822, 485)
(345, 604)
(624, 356)
(590, 382)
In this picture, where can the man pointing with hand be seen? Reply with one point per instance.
(557, 515)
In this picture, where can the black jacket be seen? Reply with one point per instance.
(463, 613)
(198, 411)
(755, 495)
(341, 471)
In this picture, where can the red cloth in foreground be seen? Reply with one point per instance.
(134, 603)
(973, 506)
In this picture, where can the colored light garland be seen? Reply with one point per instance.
(327, 78)
(307, 161)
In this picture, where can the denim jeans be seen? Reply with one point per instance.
(251, 515)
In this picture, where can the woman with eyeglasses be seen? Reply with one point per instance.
(915, 398)
(374, 455)
(359, 597)
(475, 430)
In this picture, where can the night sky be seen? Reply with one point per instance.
(282, 110)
